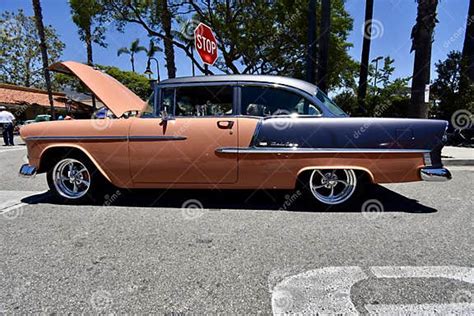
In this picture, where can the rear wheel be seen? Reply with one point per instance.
(333, 187)
(75, 180)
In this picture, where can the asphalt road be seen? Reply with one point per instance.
(243, 252)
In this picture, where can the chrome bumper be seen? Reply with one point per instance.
(27, 170)
(435, 174)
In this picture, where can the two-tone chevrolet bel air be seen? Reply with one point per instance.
(228, 132)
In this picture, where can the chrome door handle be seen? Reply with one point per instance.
(225, 124)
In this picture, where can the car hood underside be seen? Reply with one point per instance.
(115, 96)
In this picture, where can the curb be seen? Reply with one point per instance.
(458, 162)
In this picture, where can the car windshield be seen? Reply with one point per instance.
(330, 105)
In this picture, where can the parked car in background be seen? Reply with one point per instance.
(229, 132)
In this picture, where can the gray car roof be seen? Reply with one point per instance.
(291, 82)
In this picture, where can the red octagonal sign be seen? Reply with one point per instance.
(205, 43)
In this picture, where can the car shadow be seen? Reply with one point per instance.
(375, 199)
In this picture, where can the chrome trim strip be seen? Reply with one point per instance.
(296, 150)
(435, 174)
(105, 138)
(77, 138)
(156, 138)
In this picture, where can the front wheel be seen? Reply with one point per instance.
(74, 180)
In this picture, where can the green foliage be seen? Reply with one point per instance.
(132, 50)
(385, 98)
(89, 17)
(20, 56)
(254, 37)
(446, 88)
(247, 38)
(139, 84)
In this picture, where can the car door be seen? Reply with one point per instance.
(180, 146)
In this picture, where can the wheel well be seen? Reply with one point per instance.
(52, 155)
(303, 177)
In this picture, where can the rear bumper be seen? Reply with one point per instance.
(27, 170)
(435, 174)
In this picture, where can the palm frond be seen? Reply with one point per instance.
(123, 50)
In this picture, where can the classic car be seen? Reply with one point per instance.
(228, 132)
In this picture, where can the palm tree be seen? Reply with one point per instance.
(422, 39)
(364, 60)
(324, 45)
(467, 75)
(44, 52)
(132, 50)
(166, 22)
(152, 49)
(311, 55)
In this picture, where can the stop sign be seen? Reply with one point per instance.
(205, 43)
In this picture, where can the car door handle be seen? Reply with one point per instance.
(225, 124)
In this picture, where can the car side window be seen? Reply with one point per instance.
(267, 101)
(204, 101)
(167, 100)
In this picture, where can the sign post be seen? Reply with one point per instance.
(206, 45)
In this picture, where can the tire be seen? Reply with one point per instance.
(333, 188)
(74, 179)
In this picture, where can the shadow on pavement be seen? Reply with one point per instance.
(269, 200)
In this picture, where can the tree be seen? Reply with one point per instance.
(467, 77)
(422, 39)
(324, 39)
(446, 87)
(138, 83)
(165, 14)
(87, 15)
(20, 56)
(386, 97)
(132, 50)
(44, 52)
(247, 43)
(364, 60)
(312, 53)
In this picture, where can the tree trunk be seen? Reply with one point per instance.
(311, 55)
(467, 74)
(88, 38)
(132, 61)
(44, 52)
(90, 61)
(364, 62)
(422, 39)
(324, 45)
(168, 41)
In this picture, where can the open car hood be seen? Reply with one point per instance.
(118, 98)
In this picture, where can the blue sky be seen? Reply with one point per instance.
(395, 19)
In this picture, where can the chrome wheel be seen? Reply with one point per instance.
(71, 178)
(333, 186)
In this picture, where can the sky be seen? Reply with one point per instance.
(393, 20)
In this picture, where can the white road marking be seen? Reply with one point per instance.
(323, 291)
(5, 150)
(327, 291)
(422, 309)
(11, 200)
(449, 272)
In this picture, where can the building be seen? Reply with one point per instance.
(26, 103)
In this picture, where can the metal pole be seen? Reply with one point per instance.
(192, 61)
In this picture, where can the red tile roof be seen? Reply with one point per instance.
(18, 95)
